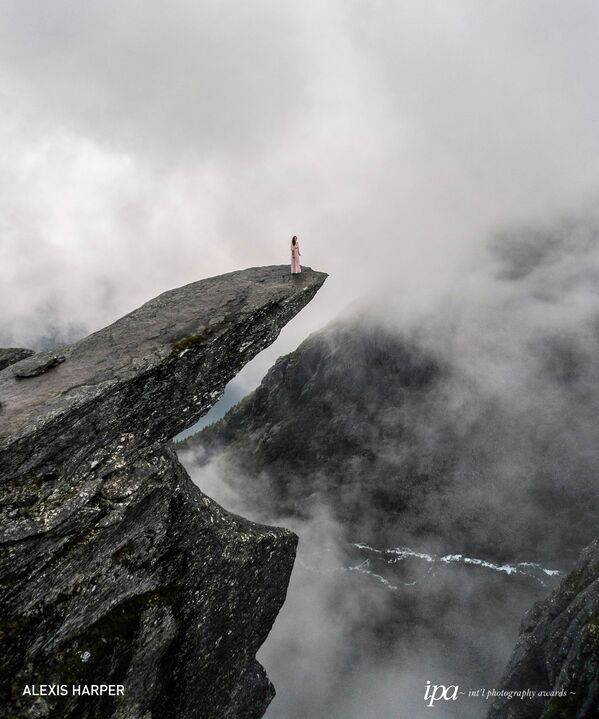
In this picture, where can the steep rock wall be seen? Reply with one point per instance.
(114, 567)
(558, 651)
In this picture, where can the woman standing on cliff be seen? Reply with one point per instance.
(296, 268)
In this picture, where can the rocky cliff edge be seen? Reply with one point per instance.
(114, 568)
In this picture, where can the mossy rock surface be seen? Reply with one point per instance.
(190, 342)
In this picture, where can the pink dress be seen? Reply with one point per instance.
(296, 268)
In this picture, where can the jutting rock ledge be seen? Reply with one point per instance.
(114, 567)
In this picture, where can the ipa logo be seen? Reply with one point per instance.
(435, 692)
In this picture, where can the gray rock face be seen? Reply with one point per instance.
(10, 355)
(114, 567)
(558, 651)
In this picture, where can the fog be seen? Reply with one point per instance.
(510, 423)
(439, 465)
(473, 422)
(149, 146)
(355, 639)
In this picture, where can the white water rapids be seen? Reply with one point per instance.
(396, 555)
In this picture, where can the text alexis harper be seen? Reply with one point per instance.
(76, 690)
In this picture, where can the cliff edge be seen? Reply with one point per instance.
(114, 568)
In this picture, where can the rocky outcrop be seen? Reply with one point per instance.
(557, 655)
(114, 567)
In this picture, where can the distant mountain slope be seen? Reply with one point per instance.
(402, 446)
(327, 420)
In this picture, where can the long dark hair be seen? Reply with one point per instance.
(294, 240)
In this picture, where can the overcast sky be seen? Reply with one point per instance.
(147, 145)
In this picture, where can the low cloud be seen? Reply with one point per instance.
(347, 644)
(145, 147)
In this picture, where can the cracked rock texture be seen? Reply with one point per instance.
(114, 567)
(558, 651)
